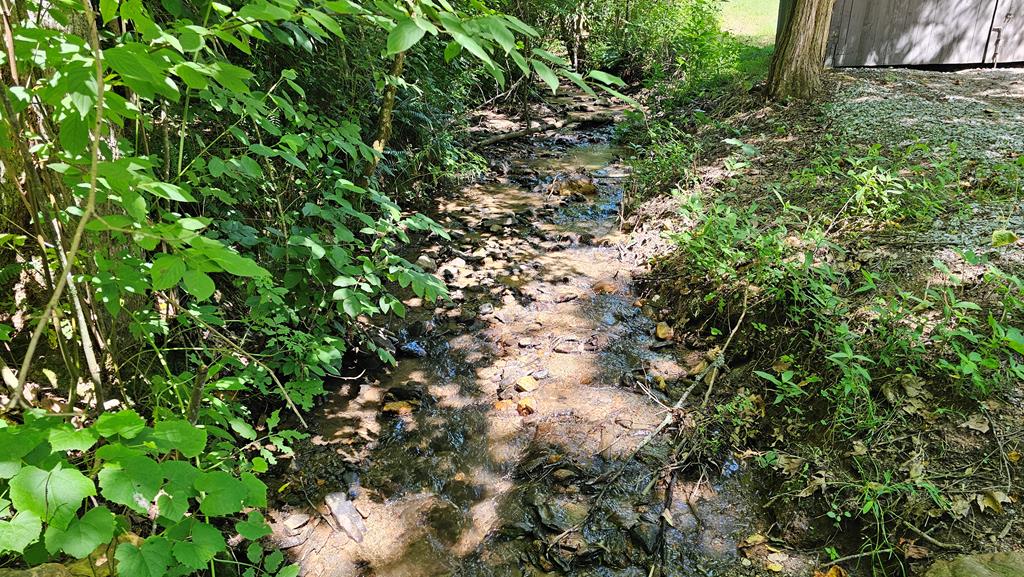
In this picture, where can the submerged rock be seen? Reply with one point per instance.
(347, 516)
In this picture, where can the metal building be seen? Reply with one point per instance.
(923, 32)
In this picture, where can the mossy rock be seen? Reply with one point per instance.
(1008, 564)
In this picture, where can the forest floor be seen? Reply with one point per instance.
(534, 426)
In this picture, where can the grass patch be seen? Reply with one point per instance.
(753, 19)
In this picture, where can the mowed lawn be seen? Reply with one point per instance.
(754, 19)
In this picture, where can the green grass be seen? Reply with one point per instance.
(754, 19)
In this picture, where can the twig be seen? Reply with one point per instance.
(858, 556)
(720, 359)
(929, 538)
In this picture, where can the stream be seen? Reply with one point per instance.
(503, 442)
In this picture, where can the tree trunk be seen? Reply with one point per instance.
(799, 58)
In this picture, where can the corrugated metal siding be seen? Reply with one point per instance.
(921, 32)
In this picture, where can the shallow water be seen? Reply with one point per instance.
(466, 475)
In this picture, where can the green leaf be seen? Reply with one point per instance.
(83, 535)
(606, 78)
(67, 438)
(1003, 237)
(198, 284)
(133, 481)
(125, 423)
(206, 542)
(224, 494)
(404, 36)
(453, 26)
(166, 271)
(546, 74)
(149, 560)
(254, 527)
(20, 532)
(179, 434)
(54, 496)
(256, 491)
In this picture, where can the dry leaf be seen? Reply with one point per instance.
(663, 331)
(776, 567)
(859, 449)
(913, 551)
(667, 516)
(977, 422)
(399, 407)
(960, 507)
(833, 571)
(1013, 456)
(504, 405)
(816, 483)
(992, 500)
(782, 364)
(755, 539)
(789, 464)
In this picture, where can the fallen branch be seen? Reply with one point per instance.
(511, 135)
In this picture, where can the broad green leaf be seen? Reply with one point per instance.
(254, 527)
(453, 26)
(181, 435)
(125, 423)
(404, 36)
(131, 481)
(224, 494)
(606, 78)
(68, 438)
(546, 74)
(21, 531)
(1003, 237)
(198, 284)
(54, 496)
(205, 542)
(83, 535)
(166, 271)
(256, 495)
(149, 560)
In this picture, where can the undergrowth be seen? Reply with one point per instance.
(842, 350)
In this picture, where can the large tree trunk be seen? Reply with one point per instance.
(800, 51)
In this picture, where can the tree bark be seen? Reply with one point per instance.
(387, 109)
(799, 60)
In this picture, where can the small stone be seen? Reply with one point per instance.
(663, 331)
(486, 309)
(504, 405)
(563, 474)
(526, 384)
(426, 263)
(295, 521)
(567, 347)
(526, 406)
(526, 343)
(346, 515)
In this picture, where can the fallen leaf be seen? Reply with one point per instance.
(399, 407)
(667, 516)
(504, 405)
(526, 384)
(911, 550)
(778, 557)
(776, 567)
(788, 463)
(833, 571)
(992, 500)
(977, 422)
(1013, 456)
(859, 449)
(815, 484)
(663, 331)
(782, 364)
(751, 541)
(604, 287)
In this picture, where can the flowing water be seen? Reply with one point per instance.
(494, 447)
